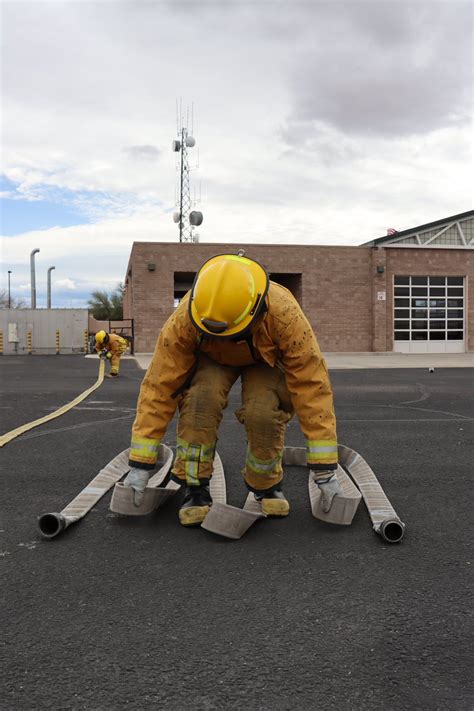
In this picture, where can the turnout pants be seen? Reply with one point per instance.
(115, 363)
(266, 408)
(115, 360)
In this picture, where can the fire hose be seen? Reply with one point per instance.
(354, 474)
(8, 436)
(51, 524)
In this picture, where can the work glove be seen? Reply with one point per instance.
(329, 486)
(103, 354)
(137, 479)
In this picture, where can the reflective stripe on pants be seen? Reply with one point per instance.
(266, 408)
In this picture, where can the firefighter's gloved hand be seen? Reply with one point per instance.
(103, 354)
(137, 479)
(329, 486)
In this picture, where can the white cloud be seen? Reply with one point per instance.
(146, 152)
(315, 122)
(68, 284)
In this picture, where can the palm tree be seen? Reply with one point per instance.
(116, 299)
(104, 306)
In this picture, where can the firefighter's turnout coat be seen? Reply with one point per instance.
(281, 337)
(116, 347)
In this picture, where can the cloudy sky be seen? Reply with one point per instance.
(316, 123)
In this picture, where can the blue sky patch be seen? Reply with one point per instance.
(20, 215)
(47, 206)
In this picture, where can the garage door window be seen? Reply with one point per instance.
(428, 308)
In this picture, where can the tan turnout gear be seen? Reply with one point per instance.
(282, 372)
(266, 408)
(115, 346)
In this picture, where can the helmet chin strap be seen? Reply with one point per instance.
(261, 308)
(255, 307)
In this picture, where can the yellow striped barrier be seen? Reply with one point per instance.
(1, 342)
(29, 342)
(8, 436)
(58, 342)
(86, 341)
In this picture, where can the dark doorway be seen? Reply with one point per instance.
(183, 282)
(292, 282)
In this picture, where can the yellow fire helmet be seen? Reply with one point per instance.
(101, 337)
(227, 294)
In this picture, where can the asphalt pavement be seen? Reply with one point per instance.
(142, 613)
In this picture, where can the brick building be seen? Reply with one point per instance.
(411, 291)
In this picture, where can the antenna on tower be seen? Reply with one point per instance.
(184, 217)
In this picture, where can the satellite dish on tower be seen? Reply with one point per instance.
(176, 146)
(190, 142)
(176, 217)
(195, 218)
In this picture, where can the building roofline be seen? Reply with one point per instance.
(248, 244)
(419, 228)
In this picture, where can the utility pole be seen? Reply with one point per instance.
(49, 286)
(9, 300)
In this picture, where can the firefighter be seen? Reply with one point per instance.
(235, 323)
(111, 346)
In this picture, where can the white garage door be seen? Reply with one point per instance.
(428, 314)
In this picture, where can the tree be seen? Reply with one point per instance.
(116, 299)
(14, 302)
(104, 306)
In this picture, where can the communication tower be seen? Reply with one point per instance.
(184, 216)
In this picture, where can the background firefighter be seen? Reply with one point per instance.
(235, 322)
(111, 346)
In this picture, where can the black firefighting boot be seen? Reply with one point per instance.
(273, 502)
(196, 504)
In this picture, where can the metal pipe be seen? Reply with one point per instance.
(33, 278)
(51, 524)
(49, 286)
(391, 530)
(9, 300)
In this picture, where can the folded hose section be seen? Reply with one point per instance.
(51, 524)
(155, 495)
(385, 521)
(8, 436)
(232, 522)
